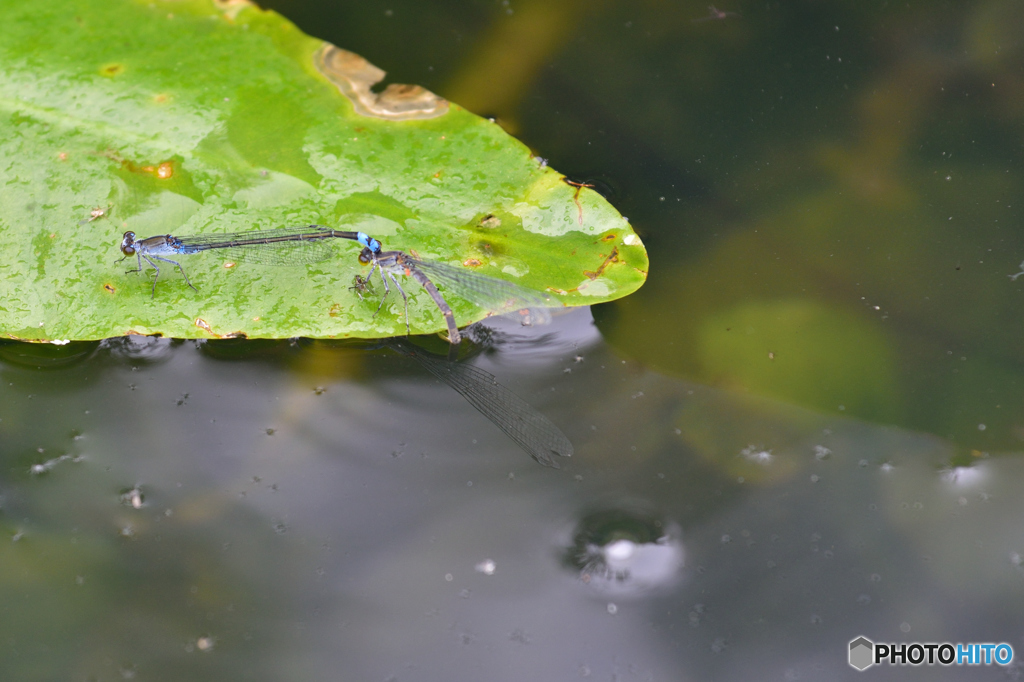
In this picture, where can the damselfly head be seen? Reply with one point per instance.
(365, 256)
(128, 244)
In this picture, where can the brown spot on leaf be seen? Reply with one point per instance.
(354, 76)
(162, 170)
(490, 221)
(472, 263)
(613, 257)
(609, 237)
(111, 70)
(110, 288)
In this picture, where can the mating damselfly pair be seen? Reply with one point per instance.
(309, 244)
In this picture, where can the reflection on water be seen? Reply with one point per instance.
(140, 349)
(805, 428)
(530, 429)
(389, 516)
(42, 356)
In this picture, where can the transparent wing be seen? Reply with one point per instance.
(254, 235)
(278, 253)
(490, 293)
(530, 429)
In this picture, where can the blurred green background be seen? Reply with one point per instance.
(828, 190)
(829, 336)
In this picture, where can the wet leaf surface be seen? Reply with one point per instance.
(198, 117)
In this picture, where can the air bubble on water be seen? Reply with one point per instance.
(620, 550)
(757, 454)
(44, 467)
(964, 476)
(133, 497)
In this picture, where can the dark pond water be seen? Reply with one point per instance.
(806, 427)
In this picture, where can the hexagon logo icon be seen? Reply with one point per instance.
(862, 652)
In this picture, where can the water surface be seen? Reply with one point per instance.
(805, 428)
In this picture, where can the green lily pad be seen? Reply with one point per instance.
(213, 116)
